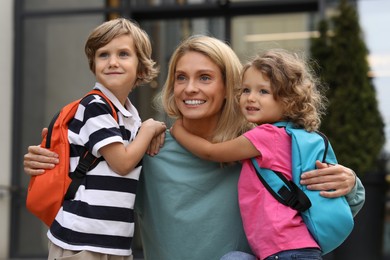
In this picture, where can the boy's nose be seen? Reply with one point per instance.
(113, 61)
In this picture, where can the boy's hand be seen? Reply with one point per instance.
(158, 130)
(155, 145)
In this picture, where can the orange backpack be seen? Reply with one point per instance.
(46, 192)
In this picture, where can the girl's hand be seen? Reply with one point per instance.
(178, 123)
(332, 180)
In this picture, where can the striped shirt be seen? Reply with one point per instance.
(100, 218)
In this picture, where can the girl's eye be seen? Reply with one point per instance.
(264, 91)
(124, 54)
(245, 90)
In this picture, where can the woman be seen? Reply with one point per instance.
(188, 207)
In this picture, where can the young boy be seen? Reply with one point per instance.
(99, 222)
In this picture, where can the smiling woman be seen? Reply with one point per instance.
(199, 91)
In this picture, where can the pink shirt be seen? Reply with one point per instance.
(269, 226)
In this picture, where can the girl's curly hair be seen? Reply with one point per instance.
(294, 84)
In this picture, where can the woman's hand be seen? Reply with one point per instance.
(332, 180)
(38, 159)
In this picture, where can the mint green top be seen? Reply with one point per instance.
(188, 207)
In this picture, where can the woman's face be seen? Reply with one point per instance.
(199, 88)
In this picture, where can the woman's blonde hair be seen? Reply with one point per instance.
(231, 122)
(294, 84)
(109, 30)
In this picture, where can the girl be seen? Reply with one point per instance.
(276, 86)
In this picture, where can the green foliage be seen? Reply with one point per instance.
(353, 122)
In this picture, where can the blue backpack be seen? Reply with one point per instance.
(329, 220)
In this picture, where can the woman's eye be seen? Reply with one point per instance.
(180, 77)
(205, 77)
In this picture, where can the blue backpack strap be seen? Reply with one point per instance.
(283, 190)
(330, 221)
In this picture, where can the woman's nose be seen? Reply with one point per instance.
(191, 86)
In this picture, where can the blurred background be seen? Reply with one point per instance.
(43, 67)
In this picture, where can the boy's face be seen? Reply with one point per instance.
(116, 65)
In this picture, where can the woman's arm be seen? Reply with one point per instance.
(234, 150)
(38, 159)
(335, 181)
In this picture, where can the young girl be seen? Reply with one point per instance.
(276, 86)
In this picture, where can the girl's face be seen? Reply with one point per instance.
(257, 102)
(199, 89)
(116, 65)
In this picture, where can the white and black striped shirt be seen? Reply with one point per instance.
(101, 217)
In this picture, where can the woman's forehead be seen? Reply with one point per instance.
(196, 61)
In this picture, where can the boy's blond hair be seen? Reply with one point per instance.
(231, 122)
(109, 30)
(294, 84)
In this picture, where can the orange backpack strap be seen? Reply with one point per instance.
(86, 158)
(98, 92)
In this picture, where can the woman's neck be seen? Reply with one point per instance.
(203, 128)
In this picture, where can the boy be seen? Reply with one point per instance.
(99, 222)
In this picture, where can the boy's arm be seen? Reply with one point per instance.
(229, 151)
(122, 159)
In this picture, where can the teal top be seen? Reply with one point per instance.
(188, 207)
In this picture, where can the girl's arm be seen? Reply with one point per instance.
(234, 150)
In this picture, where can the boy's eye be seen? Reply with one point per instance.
(103, 55)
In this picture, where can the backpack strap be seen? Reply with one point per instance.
(99, 93)
(87, 159)
(283, 190)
